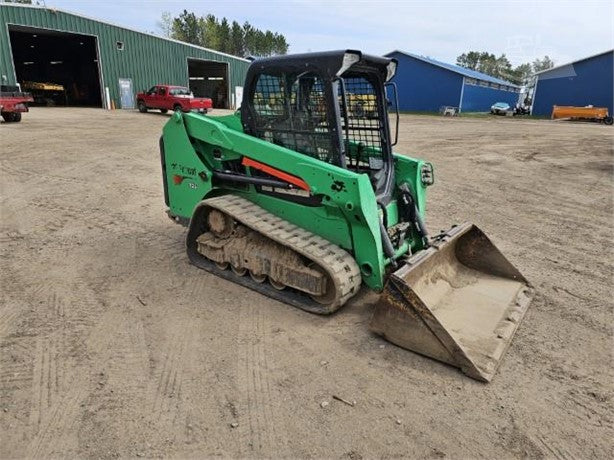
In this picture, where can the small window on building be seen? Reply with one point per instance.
(484, 83)
(494, 85)
(119, 45)
(471, 81)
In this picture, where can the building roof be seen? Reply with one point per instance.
(54, 10)
(457, 69)
(574, 62)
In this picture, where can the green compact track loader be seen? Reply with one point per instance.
(299, 196)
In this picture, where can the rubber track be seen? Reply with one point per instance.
(338, 263)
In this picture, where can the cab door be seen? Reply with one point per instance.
(164, 100)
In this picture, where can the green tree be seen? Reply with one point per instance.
(165, 24)
(220, 35)
(237, 40)
(469, 60)
(542, 64)
(188, 28)
(523, 74)
(224, 36)
(501, 67)
(211, 32)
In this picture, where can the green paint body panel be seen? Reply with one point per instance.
(146, 59)
(348, 217)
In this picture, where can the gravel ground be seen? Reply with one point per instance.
(112, 345)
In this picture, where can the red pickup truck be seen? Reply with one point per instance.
(168, 97)
(13, 102)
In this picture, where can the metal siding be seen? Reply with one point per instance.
(480, 98)
(592, 84)
(146, 59)
(424, 87)
(469, 73)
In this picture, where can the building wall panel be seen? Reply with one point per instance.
(423, 87)
(590, 82)
(478, 98)
(146, 59)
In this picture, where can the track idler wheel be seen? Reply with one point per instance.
(239, 271)
(220, 224)
(277, 285)
(257, 278)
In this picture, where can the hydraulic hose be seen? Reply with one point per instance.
(386, 243)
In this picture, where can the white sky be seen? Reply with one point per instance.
(523, 30)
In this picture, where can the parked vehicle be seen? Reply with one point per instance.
(501, 108)
(168, 97)
(13, 102)
(297, 198)
(522, 110)
(47, 94)
(600, 114)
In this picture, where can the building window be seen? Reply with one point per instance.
(494, 85)
(505, 88)
(471, 81)
(484, 83)
(119, 45)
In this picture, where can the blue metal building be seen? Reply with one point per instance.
(425, 85)
(584, 82)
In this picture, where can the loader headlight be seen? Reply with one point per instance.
(427, 176)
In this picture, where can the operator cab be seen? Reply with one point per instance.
(331, 106)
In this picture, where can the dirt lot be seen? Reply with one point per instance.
(112, 345)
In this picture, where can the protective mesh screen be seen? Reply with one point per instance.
(363, 133)
(291, 111)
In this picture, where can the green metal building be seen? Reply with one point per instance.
(95, 63)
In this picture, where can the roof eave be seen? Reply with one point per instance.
(574, 62)
(42, 7)
(504, 82)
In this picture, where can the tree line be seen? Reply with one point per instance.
(501, 67)
(222, 35)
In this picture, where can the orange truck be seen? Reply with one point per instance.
(581, 113)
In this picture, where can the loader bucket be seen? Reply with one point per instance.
(459, 301)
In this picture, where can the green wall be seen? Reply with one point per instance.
(146, 59)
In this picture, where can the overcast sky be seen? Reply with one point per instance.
(523, 30)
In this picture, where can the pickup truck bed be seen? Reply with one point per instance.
(13, 104)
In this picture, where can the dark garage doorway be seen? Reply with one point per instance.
(58, 68)
(209, 79)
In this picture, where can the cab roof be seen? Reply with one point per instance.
(326, 63)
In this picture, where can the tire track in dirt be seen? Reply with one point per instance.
(9, 168)
(60, 381)
(8, 318)
(166, 401)
(47, 381)
(107, 221)
(14, 170)
(123, 370)
(57, 391)
(15, 365)
(260, 433)
(58, 424)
